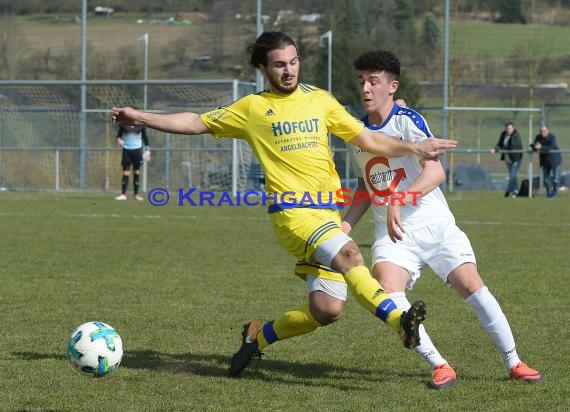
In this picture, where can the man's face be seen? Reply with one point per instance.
(282, 70)
(544, 131)
(376, 89)
(510, 129)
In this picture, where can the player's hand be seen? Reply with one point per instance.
(146, 155)
(394, 224)
(126, 116)
(345, 226)
(433, 148)
(120, 142)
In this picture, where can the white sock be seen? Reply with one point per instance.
(494, 321)
(426, 347)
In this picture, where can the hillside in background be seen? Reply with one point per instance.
(42, 40)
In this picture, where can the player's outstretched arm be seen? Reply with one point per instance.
(381, 144)
(432, 148)
(178, 123)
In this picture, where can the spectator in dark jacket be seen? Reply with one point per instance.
(550, 159)
(510, 140)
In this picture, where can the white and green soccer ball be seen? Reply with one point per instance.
(95, 349)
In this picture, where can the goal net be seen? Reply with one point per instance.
(43, 145)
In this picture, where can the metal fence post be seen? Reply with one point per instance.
(56, 160)
(235, 148)
(167, 161)
(347, 168)
(530, 172)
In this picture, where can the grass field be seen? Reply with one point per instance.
(470, 39)
(177, 282)
(494, 40)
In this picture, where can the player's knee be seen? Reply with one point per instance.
(390, 285)
(325, 308)
(327, 315)
(466, 280)
(391, 277)
(331, 316)
(348, 257)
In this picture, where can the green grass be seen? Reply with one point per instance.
(495, 40)
(177, 282)
(469, 39)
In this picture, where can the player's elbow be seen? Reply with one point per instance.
(440, 175)
(197, 126)
(435, 170)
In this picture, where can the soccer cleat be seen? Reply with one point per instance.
(121, 196)
(443, 376)
(248, 350)
(522, 372)
(138, 197)
(410, 322)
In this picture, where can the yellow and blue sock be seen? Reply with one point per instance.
(294, 322)
(372, 296)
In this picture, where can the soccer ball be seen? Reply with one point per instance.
(95, 349)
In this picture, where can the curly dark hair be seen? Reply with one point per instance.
(266, 42)
(379, 61)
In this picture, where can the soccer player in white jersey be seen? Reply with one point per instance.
(287, 127)
(413, 224)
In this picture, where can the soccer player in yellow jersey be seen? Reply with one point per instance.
(287, 128)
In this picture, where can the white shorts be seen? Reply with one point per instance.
(441, 245)
(330, 287)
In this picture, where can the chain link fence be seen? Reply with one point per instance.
(57, 135)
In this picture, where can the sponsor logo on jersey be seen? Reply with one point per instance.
(381, 179)
(301, 126)
(217, 114)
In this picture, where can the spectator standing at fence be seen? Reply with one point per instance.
(510, 140)
(550, 159)
(134, 142)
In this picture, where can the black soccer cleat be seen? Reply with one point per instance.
(410, 323)
(249, 349)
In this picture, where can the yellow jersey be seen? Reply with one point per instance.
(289, 135)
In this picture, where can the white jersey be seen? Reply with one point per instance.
(385, 176)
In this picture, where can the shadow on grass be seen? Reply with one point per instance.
(197, 364)
(278, 371)
(275, 371)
